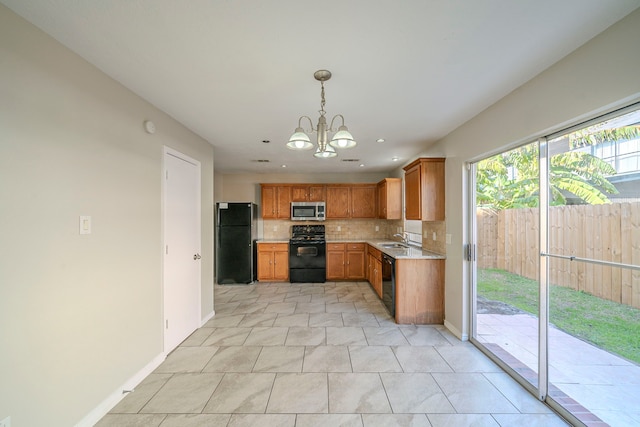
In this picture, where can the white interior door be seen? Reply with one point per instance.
(182, 248)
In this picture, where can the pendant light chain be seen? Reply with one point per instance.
(322, 101)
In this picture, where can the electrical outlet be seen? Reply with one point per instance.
(275, 228)
(448, 239)
(339, 228)
(6, 422)
(377, 228)
(434, 235)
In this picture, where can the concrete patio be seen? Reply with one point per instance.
(580, 375)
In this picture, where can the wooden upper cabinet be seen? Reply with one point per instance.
(342, 200)
(268, 201)
(363, 201)
(424, 189)
(276, 201)
(308, 193)
(284, 202)
(338, 199)
(351, 201)
(390, 198)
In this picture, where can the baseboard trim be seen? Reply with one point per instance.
(456, 332)
(112, 400)
(209, 317)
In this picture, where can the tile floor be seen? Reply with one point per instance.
(282, 354)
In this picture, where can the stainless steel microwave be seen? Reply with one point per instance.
(307, 211)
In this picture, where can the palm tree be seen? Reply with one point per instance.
(510, 180)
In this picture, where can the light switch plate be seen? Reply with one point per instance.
(434, 236)
(85, 226)
(448, 239)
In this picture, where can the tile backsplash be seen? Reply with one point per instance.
(353, 229)
(440, 244)
(362, 229)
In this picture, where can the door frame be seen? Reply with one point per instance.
(172, 152)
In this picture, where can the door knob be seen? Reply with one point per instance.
(196, 257)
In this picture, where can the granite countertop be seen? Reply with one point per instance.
(410, 252)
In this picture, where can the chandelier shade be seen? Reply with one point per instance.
(325, 149)
(299, 140)
(327, 153)
(343, 138)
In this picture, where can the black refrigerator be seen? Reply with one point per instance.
(236, 231)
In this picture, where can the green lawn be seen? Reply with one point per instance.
(608, 325)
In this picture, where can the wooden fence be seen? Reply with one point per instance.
(508, 240)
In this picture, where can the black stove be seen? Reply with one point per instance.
(307, 254)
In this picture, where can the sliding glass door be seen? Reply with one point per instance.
(507, 258)
(555, 249)
(593, 255)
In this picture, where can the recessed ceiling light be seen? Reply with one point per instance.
(395, 159)
(283, 166)
(380, 140)
(361, 165)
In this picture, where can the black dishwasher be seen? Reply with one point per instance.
(389, 283)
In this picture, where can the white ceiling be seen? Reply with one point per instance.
(238, 72)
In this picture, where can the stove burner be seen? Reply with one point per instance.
(307, 232)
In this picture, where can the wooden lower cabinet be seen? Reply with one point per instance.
(355, 255)
(335, 261)
(273, 262)
(346, 261)
(374, 269)
(420, 291)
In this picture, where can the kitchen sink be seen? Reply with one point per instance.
(394, 245)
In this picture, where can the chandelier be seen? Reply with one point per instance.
(341, 139)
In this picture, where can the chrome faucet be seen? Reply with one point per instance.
(402, 237)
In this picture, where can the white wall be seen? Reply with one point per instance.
(79, 315)
(600, 76)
